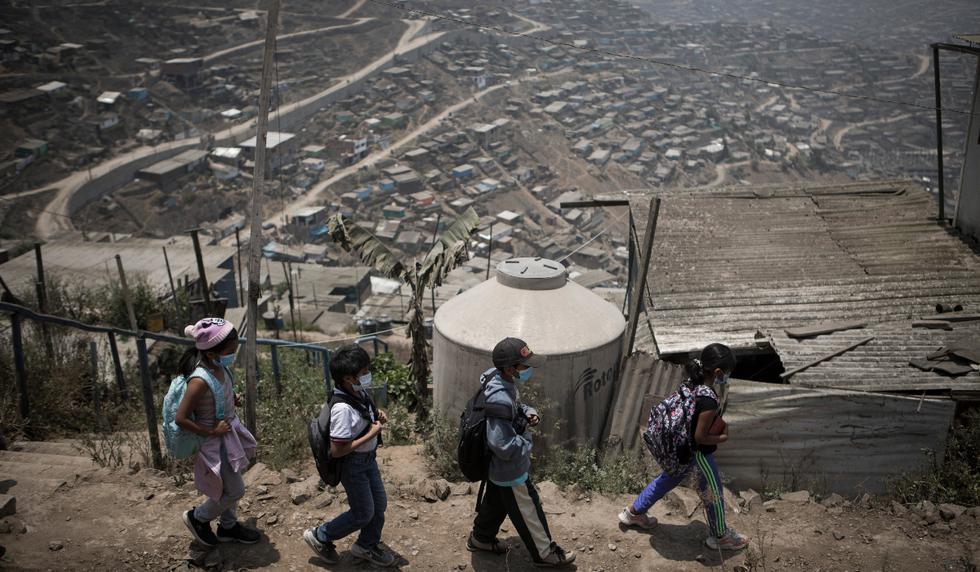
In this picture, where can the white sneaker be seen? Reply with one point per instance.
(730, 541)
(627, 518)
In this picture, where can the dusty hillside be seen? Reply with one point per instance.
(111, 520)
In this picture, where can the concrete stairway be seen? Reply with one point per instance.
(41, 467)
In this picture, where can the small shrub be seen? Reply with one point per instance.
(399, 429)
(957, 478)
(585, 469)
(439, 447)
(398, 377)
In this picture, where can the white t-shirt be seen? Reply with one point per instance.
(346, 424)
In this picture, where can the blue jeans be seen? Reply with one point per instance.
(367, 499)
(709, 487)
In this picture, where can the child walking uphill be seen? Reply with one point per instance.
(355, 426)
(683, 433)
(509, 491)
(228, 445)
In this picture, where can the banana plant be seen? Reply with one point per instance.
(448, 252)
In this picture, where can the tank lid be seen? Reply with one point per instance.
(532, 274)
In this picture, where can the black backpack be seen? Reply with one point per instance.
(473, 454)
(318, 433)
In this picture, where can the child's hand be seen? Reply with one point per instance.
(375, 429)
(221, 428)
(382, 418)
(533, 420)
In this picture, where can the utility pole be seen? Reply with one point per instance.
(238, 253)
(255, 236)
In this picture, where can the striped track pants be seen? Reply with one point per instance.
(522, 505)
(709, 487)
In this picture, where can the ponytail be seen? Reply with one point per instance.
(188, 361)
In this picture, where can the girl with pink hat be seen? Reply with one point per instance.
(228, 445)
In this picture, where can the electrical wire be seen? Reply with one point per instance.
(662, 63)
(600, 233)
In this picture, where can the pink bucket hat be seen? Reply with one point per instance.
(209, 332)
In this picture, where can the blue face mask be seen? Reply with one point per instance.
(524, 375)
(225, 361)
(723, 379)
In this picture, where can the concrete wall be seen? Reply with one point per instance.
(968, 202)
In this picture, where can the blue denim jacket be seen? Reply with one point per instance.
(509, 440)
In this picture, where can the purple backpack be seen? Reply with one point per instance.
(668, 432)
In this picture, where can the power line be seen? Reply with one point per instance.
(600, 233)
(662, 63)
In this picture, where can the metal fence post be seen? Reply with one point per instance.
(117, 366)
(21, 371)
(149, 409)
(275, 370)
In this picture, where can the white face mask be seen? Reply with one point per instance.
(363, 382)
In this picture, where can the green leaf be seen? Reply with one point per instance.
(367, 247)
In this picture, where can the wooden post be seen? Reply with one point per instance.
(292, 310)
(133, 324)
(93, 349)
(276, 376)
(255, 235)
(489, 250)
(325, 354)
(173, 290)
(149, 409)
(201, 274)
(42, 300)
(435, 233)
(238, 255)
(636, 296)
(117, 366)
(19, 368)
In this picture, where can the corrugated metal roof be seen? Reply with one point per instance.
(879, 365)
(731, 262)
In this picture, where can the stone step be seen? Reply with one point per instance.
(21, 485)
(48, 448)
(20, 470)
(47, 459)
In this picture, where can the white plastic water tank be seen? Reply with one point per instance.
(578, 332)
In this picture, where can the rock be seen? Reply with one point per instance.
(612, 547)
(12, 525)
(941, 528)
(8, 505)
(259, 474)
(838, 536)
(290, 476)
(197, 554)
(931, 518)
(461, 489)
(148, 496)
(923, 508)
(832, 500)
(865, 501)
(951, 511)
(272, 520)
(769, 505)
(548, 490)
(753, 500)
(684, 500)
(413, 514)
(836, 511)
(55, 545)
(325, 499)
(303, 491)
(432, 490)
(898, 509)
(798, 497)
(974, 512)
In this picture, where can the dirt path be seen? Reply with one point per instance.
(839, 136)
(281, 39)
(114, 521)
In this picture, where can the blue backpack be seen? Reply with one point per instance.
(180, 442)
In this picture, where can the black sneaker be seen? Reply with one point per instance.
(557, 559)
(325, 550)
(377, 555)
(201, 530)
(494, 547)
(238, 533)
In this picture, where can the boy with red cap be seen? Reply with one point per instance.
(509, 492)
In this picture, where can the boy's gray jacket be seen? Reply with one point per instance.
(509, 440)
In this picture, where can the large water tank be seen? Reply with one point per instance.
(578, 332)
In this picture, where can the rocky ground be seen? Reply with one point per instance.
(113, 520)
